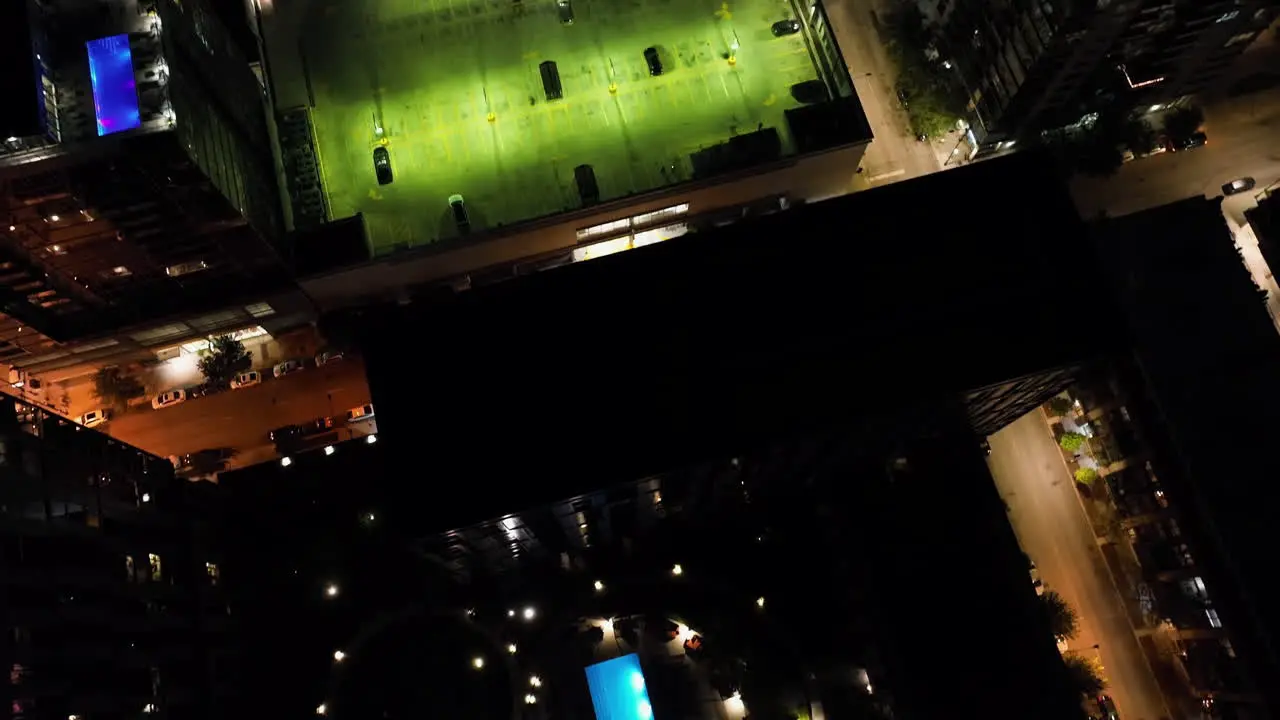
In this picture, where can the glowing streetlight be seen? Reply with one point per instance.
(339, 656)
(530, 699)
(331, 590)
(535, 681)
(760, 602)
(511, 613)
(676, 570)
(512, 648)
(371, 439)
(477, 662)
(529, 613)
(328, 449)
(599, 586)
(286, 461)
(321, 709)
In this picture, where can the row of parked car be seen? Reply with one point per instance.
(177, 396)
(292, 438)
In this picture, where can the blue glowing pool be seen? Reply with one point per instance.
(618, 689)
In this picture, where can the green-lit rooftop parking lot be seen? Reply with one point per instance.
(455, 87)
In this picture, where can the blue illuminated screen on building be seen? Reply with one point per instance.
(115, 94)
(618, 691)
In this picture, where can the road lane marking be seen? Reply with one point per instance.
(886, 176)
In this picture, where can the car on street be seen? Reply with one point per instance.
(169, 398)
(94, 418)
(565, 8)
(360, 414)
(458, 207)
(1239, 185)
(328, 356)
(246, 379)
(654, 62)
(1196, 140)
(785, 27)
(288, 367)
(1108, 707)
(382, 165)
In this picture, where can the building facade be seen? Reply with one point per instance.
(143, 191)
(1028, 66)
(110, 594)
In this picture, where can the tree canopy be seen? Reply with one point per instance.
(115, 388)
(932, 96)
(1183, 122)
(1063, 621)
(1085, 675)
(226, 358)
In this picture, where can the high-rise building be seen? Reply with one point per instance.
(1031, 66)
(109, 593)
(137, 186)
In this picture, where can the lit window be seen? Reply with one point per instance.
(211, 569)
(604, 229)
(659, 215)
(153, 561)
(259, 310)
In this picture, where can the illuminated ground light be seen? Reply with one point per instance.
(371, 439)
(676, 570)
(328, 449)
(339, 656)
(529, 613)
(477, 662)
(321, 709)
(331, 590)
(618, 689)
(733, 704)
(286, 461)
(760, 602)
(530, 699)
(599, 586)
(512, 648)
(511, 613)
(535, 681)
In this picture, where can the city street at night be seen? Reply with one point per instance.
(1242, 143)
(1053, 530)
(895, 154)
(241, 419)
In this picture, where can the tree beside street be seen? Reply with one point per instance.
(114, 388)
(932, 98)
(1063, 620)
(1071, 441)
(1085, 675)
(1183, 122)
(226, 357)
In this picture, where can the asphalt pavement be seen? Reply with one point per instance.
(1053, 530)
(241, 419)
(1244, 141)
(895, 154)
